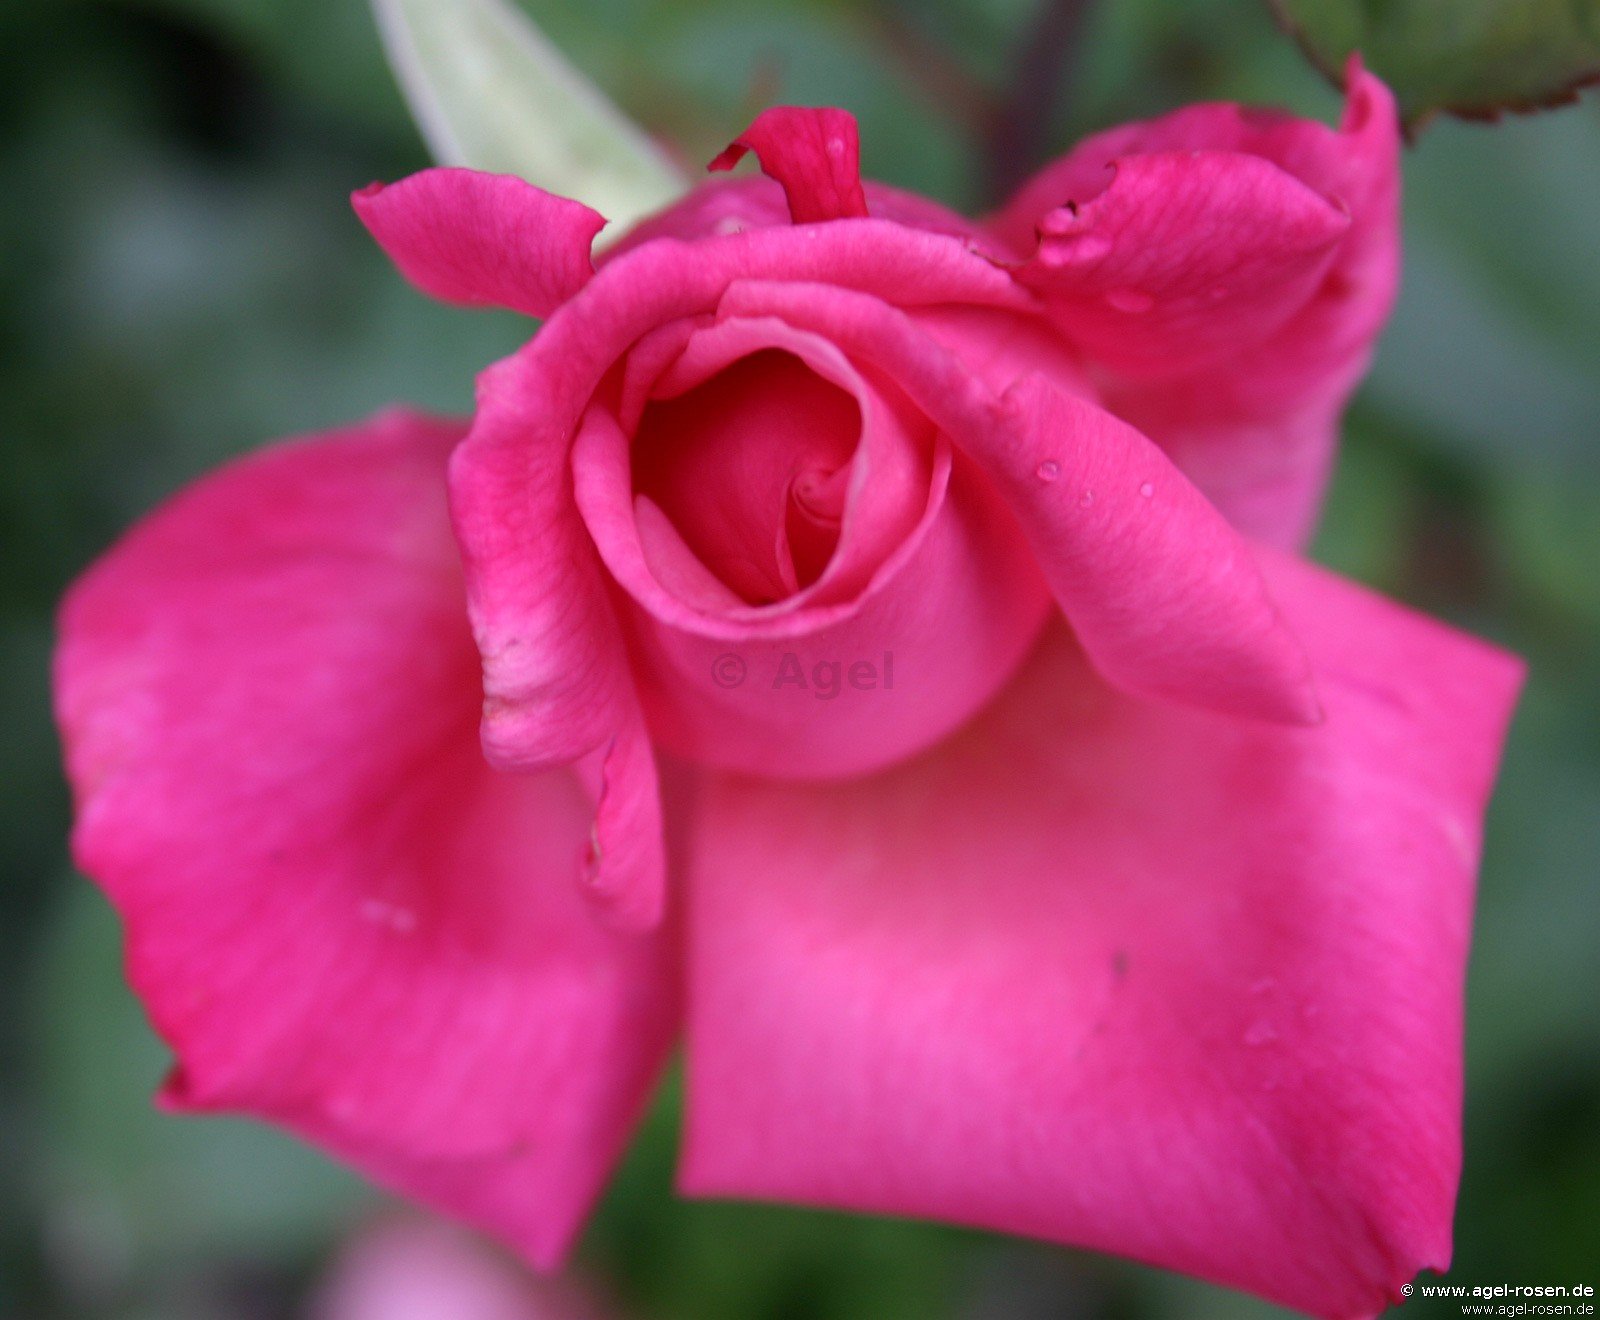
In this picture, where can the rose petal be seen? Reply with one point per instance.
(814, 154)
(557, 687)
(1118, 974)
(1185, 258)
(482, 239)
(1257, 431)
(338, 916)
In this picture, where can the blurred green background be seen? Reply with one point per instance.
(182, 280)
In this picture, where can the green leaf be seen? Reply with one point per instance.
(489, 91)
(1473, 58)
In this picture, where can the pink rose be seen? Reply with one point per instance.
(1046, 846)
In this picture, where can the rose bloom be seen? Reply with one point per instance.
(864, 645)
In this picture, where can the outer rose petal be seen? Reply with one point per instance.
(1187, 257)
(338, 916)
(1257, 433)
(482, 239)
(814, 154)
(1117, 974)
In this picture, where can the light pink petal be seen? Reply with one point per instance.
(1117, 974)
(814, 154)
(1185, 258)
(1163, 594)
(482, 239)
(1257, 430)
(338, 916)
(415, 1269)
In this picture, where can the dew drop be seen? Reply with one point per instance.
(1130, 300)
(1087, 499)
(1147, 490)
(1049, 470)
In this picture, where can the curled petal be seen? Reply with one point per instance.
(1184, 258)
(1255, 429)
(1164, 596)
(814, 154)
(486, 240)
(339, 917)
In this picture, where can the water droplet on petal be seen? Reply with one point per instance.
(1088, 498)
(1049, 470)
(1147, 490)
(1130, 300)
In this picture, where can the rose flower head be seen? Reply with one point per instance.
(866, 647)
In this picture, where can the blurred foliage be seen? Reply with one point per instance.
(1469, 57)
(182, 280)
